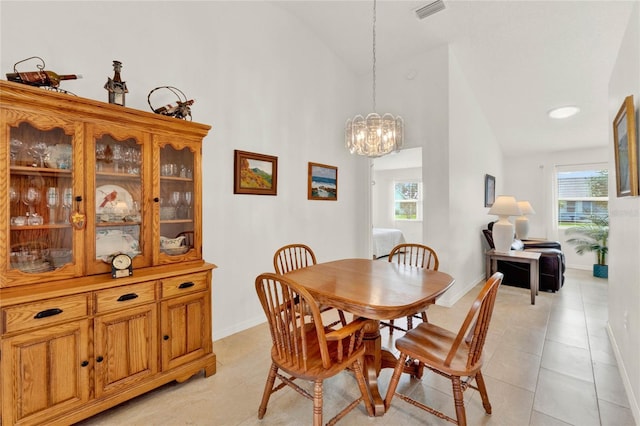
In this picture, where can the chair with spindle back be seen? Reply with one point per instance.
(451, 355)
(415, 255)
(295, 256)
(303, 349)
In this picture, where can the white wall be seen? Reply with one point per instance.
(531, 177)
(473, 152)
(263, 81)
(624, 235)
(458, 148)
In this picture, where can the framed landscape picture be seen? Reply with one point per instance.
(489, 190)
(626, 149)
(322, 182)
(255, 173)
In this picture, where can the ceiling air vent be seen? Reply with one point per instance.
(429, 9)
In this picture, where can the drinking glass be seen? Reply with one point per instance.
(30, 197)
(100, 156)
(15, 148)
(53, 198)
(13, 194)
(188, 199)
(38, 150)
(117, 157)
(67, 202)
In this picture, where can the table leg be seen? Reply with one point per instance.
(487, 266)
(533, 280)
(373, 364)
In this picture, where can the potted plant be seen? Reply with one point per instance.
(593, 236)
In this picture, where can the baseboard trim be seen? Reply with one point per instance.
(633, 401)
(451, 296)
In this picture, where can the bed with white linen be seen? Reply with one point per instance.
(384, 239)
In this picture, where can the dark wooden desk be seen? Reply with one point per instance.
(377, 290)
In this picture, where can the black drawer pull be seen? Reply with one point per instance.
(128, 296)
(165, 337)
(186, 285)
(48, 313)
(99, 359)
(84, 363)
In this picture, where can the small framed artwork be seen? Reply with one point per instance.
(489, 190)
(322, 182)
(626, 149)
(255, 173)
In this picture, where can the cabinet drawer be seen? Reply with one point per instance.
(184, 284)
(125, 296)
(45, 312)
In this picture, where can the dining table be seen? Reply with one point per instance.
(376, 290)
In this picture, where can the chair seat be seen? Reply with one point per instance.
(431, 344)
(314, 368)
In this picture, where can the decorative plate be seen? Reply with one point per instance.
(113, 202)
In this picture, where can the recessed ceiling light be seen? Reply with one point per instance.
(564, 112)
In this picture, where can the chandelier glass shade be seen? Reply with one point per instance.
(374, 136)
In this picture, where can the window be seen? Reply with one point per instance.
(407, 200)
(582, 194)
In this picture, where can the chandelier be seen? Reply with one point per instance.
(374, 136)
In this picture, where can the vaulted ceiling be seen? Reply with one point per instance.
(521, 58)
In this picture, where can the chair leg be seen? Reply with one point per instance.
(409, 322)
(268, 388)
(391, 328)
(483, 392)
(364, 390)
(424, 316)
(317, 403)
(459, 401)
(395, 378)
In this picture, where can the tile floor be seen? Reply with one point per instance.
(548, 364)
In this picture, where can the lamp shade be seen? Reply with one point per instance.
(525, 208)
(502, 232)
(505, 205)
(522, 222)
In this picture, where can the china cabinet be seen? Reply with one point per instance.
(86, 183)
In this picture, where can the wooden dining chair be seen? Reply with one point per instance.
(454, 356)
(415, 255)
(302, 349)
(295, 256)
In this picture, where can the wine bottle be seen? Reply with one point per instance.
(41, 78)
(172, 109)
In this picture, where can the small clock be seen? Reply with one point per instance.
(121, 266)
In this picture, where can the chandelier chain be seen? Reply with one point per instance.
(374, 56)
(375, 135)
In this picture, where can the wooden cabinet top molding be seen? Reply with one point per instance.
(41, 100)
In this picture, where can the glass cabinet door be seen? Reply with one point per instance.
(43, 180)
(115, 199)
(179, 203)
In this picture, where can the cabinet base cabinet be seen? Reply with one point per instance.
(186, 326)
(125, 348)
(96, 349)
(44, 373)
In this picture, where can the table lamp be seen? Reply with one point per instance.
(502, 231)
(522, 222)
